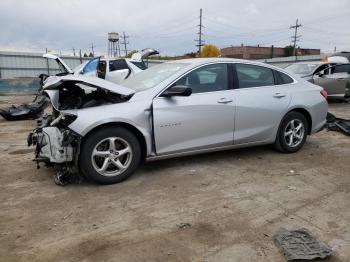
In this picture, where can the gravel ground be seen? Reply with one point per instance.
(233, 202)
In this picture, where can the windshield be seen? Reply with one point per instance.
(301, 69)
(153, 76)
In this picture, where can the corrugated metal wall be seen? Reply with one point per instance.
(25, 64)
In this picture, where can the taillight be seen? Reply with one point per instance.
(324, 93)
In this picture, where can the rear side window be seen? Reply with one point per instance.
(282, 79)
(117, 65)
(342, 69)
(254, 76)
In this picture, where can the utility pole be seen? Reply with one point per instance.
(124, 37)
(92, 49)
(296, 37)
(200, 34)
(81, 59)
(47, 63)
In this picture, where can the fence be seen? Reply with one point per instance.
(25, 64)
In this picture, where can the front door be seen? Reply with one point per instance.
(205, 119)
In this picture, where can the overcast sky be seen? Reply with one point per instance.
(171, 25)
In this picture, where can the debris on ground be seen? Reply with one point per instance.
(183, 225)
(338, 124)
(25, 111)
(292, 188)
(299, 244)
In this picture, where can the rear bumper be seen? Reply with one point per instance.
(319, 127)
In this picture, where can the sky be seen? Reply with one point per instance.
(171, 26)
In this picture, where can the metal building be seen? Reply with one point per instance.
(28, 64)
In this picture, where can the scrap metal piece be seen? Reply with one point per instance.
(300, 244)
(183, 225)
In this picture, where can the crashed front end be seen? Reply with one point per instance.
(55, 143)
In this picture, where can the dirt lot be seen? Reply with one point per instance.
(235, 202)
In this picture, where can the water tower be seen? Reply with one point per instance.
(113, 44)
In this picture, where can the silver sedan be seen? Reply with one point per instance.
(104, 131)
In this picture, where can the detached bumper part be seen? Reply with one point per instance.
(26, 111)
(338, 124)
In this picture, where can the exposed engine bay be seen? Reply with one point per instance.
(73, 96)
(55, 143)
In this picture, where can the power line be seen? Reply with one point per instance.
(124, 37)
(200, 34)
(296, 37)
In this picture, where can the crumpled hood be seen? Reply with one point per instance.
(53, 82)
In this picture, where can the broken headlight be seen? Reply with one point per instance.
(68, 119)
(64, 120)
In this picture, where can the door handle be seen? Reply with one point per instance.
(279, 95)
(341, 79)
(224, 100)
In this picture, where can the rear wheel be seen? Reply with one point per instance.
(110, 155)
(292, 133)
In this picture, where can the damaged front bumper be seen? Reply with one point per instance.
(50, 145)
(58, 147)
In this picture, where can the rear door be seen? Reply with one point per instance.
(205, 119)
(118, 70)
(260, 104)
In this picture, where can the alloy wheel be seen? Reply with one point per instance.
(111, 156)
(294, 133)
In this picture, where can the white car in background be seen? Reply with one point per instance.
(111, 69)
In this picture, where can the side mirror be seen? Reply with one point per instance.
(177, 91)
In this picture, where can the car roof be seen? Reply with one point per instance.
(310, 63)
(203, 61)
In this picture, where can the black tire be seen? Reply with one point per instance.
(88, 163)
(281, 143)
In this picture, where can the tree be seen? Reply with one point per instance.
(288, 50)
(85, 55)
(210, 51)
(131, 53)
(91, 54)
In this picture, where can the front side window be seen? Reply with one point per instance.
(254, 76)
(208, 78)
(119, 64)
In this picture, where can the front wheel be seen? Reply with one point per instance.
(292, 133)
(110, 155)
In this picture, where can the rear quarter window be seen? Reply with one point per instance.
(282, 78)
